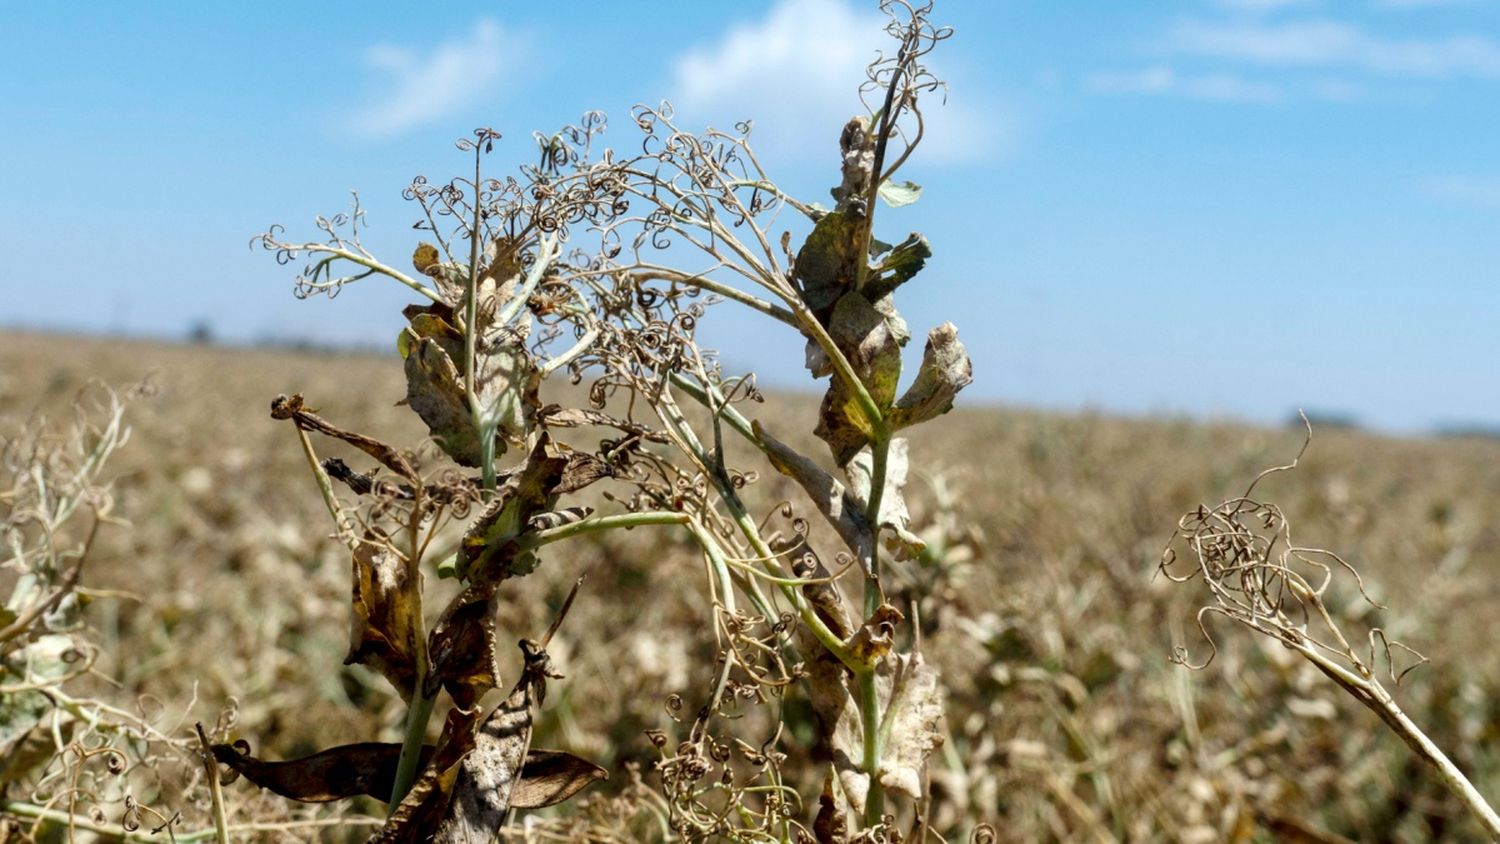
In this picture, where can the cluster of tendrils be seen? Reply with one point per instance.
(895, 83)
(1243, 552)
(718, 788)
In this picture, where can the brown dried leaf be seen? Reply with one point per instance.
(369, 769)
(293, 408)
(552, 776)
(831, 825)
(385, 631)
(428, 800)
(945, 370)
(352, 770)
(827, 493)
(462, 645)
(876, 635)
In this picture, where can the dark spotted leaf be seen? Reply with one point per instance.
(490, 542)
(945, 370)
(424, 806)
(385, 631)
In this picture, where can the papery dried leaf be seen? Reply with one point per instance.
(895, 520)
(945, 370)
(368, 768)
(385, 631)
(899, 194)
(462, 645)
(551, 776)
(838, 720)
(914, 711)
(827, 492)
(435, 391)
(424, 806)
(508, 387)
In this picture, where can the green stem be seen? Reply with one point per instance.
(417, 714)
(536, 539)
(880, 451)
(869, 716)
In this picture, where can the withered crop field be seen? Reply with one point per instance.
(222, 597)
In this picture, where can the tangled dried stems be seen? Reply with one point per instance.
(513, 298)
(1256, 575)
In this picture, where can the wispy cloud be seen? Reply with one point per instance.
(1163, 80)
(424, 87)
(795, 73)
(1475, 191)
(1331, 43)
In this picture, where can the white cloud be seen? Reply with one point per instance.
(425, 87)
(1329, 43)
(1163, 80)
(1477, 191)
(796, 72)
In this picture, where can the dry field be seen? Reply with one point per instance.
(226, 601)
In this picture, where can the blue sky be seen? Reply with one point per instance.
(1216, 207)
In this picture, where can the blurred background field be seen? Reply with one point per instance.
(1066, 721)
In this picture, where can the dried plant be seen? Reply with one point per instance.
(600, 265)
(1243, 553)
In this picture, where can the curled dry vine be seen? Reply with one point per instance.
(1256, 575)
(598, 265)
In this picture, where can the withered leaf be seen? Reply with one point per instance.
(490, 542)
(435, 391)
(914, 710)
(425, 257)
(911, 703)
(551, 776)
(369, 769)
(870, 336)
(895, 520)
(827, 492)
(831, 825)
(425, 804)
(876, 636)
(487, 775)
(904, 261)
(292, 407)
(826, 265)
(385, 631)
(462, 645)
(945, 370)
